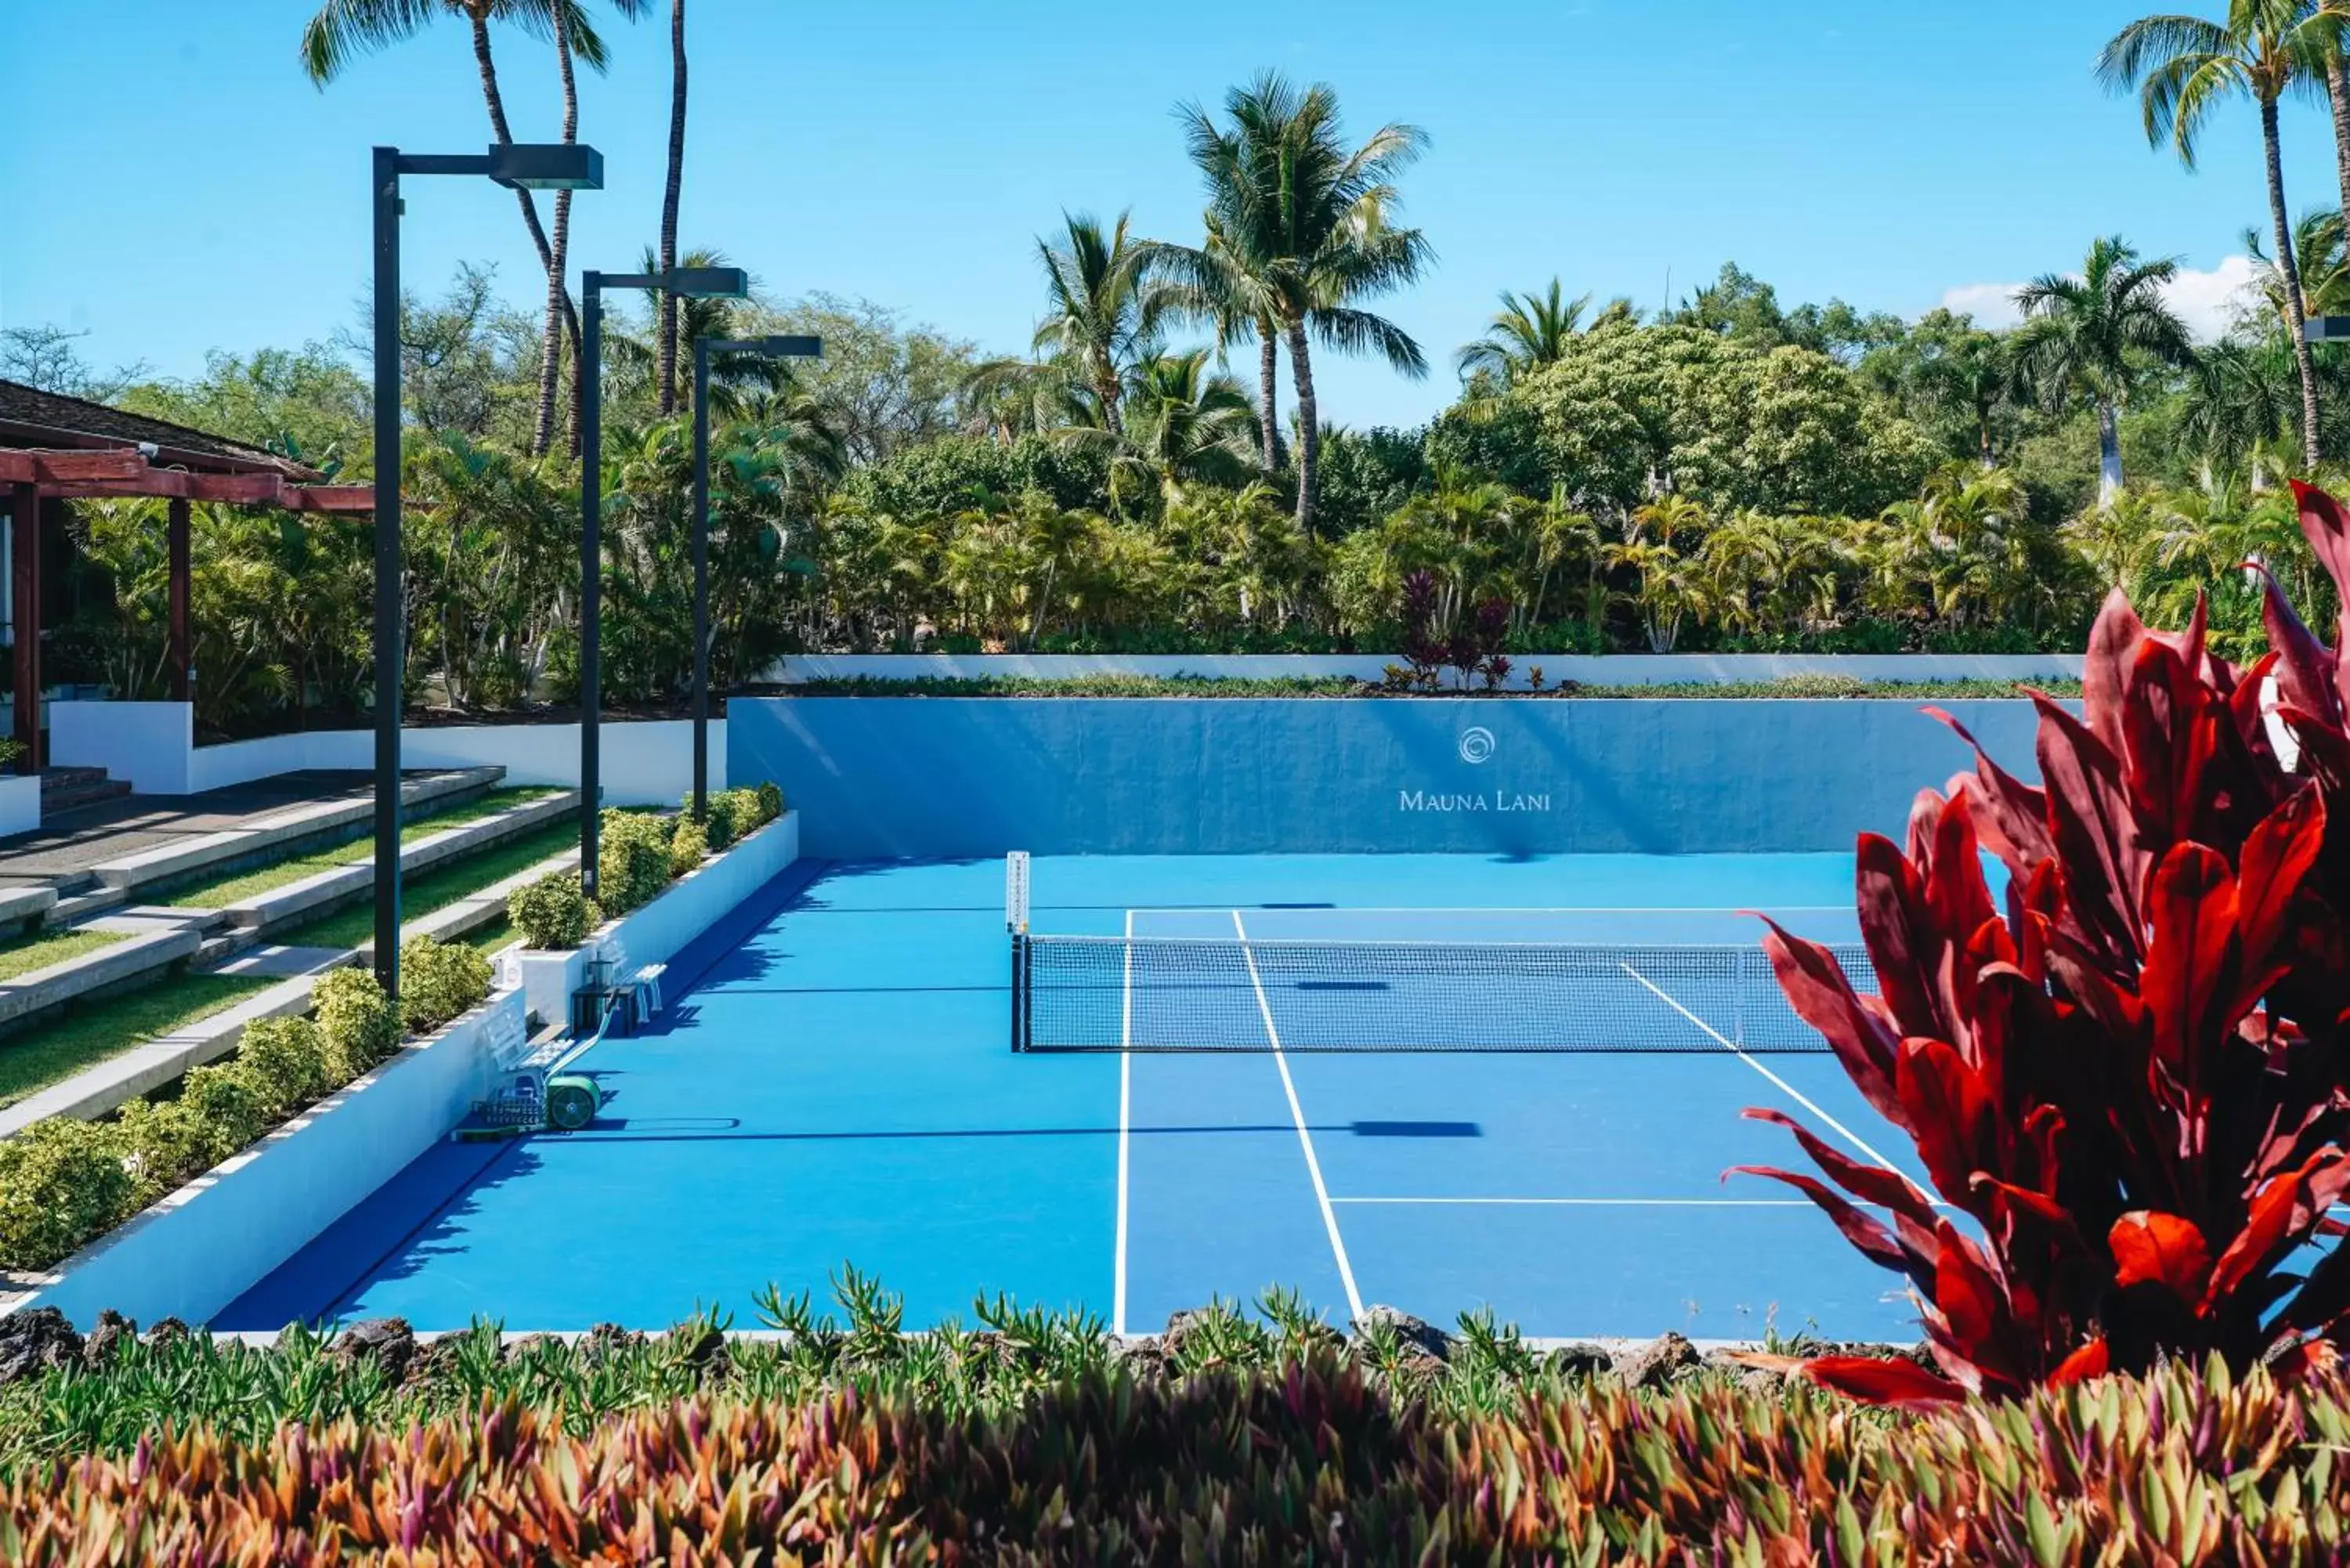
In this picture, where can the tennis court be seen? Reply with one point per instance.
(1437, 1082)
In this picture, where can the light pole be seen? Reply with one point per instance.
(693, 283)
(772, 347)
(520, 167)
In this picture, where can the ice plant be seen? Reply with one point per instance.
(2126, 1088)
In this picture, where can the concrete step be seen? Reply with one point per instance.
(91, 900)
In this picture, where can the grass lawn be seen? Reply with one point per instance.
(220, 892)
(438, 888)
(498, 934)
(22, 955)
(33, 1061)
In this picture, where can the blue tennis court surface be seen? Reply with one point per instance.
(838, 1085)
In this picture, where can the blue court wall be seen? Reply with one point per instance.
(924, 777)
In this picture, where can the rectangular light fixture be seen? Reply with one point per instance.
(706, 282)
(2327, 328)
(547, 166)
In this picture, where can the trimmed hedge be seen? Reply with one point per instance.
(1318, 1461)
(438, 980)
(688, 846)
(554, 911)
(632, 861)
(65, 1182)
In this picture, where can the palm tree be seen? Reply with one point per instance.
(1182, 424)
(1103, 309)
(2338, 95)
(1527, 333)
(1310, 224)
(665, 334)
(1215, 284)
(1667, 591)
(2096, 336)
(343, 29)
(2183, 65)
(2317, 253)
(2236, 407)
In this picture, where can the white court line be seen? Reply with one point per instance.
(1125, 1124)
(1784, 1087)
(1305, 1139)
(1602, 1202)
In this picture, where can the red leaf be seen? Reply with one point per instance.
(1816, 989)
(2162, 1249)
(2277, 857)
(1901, 947)
(2090, 1361)
(1869, 1183)
(2304, 666)
(1874, 1241)
(2190, 971)
(2011, 817)
(2327, 528)
(2115, 641)
(1948, 1113)
(2280, 1211)
(1971, 1303)
(1902, 1384)
(2089, 822)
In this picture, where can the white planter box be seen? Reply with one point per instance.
(655, 932)
(202, 1246)
(20, 804)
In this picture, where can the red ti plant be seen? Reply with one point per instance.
(2126, 1088)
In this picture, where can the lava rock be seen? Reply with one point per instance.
(1659, 1362)
(1140, 1357)
(167, 1331)
(707, 1354)
(35, 1342)
(1182, 1327)
(1579, 1361)
(603, 1341)
(388, 1342)
(1421, 1339)
(106, 1341)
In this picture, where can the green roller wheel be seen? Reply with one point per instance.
(572, 1101)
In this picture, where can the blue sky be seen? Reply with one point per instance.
(171, 182)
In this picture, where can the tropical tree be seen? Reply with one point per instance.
(1183, 424)
(1102, 310)
(2097, 337)
(2238, 405)
(2183, 66)
(2317, 253)
(1529, 332)
(342, 29)
(1654, 549)
(1300, 229)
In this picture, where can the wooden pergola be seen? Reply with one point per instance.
(56, 447)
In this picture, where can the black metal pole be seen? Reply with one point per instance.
(701, 580)
(591, 568)
(391, 655)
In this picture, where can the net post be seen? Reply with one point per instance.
(1019, 990)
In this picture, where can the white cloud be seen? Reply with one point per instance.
(2206, 301)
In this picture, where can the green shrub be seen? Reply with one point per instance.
(688, 846)
(231, 1106)
(61, 1182)
(632, 866)
(721, 819)
(285, 1059)
(553, 912)
(361, 1026)
(771, 801)
(162, 1143)
(438, 980)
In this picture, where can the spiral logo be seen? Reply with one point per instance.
(1476, 744)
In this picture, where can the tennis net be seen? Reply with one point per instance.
(1185, 993)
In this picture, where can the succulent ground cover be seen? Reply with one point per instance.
(1034, 1439)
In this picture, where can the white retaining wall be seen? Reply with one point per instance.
(202, 1246)
(151, 745)
(655, 932)
(20, 804)
(1591, 670)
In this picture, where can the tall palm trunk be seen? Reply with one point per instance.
(550, 353)
(665, 354)
(2291, 269)
(1268, 388)
(2337, 92)
(496, 102)
(1309, 432)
